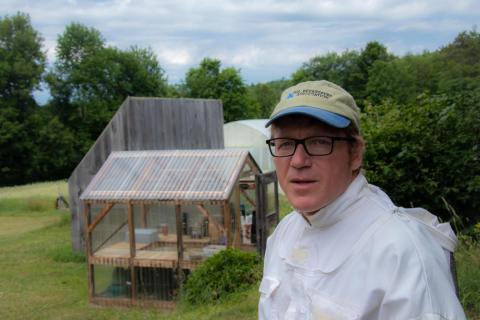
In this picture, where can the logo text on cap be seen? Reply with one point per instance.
(310, 92)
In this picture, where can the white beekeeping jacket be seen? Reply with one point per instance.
(360, 258)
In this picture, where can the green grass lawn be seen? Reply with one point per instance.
(40, 277)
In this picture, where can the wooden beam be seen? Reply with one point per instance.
(131, 238)
(100, 216)
(88, 249)
(237, 239)
(209, 217)
(249, 199)
(131, 231)
(111, 236)
(143, 214)
(253, 165)
(178, 216)
(227, 223)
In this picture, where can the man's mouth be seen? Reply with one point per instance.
(302, 181)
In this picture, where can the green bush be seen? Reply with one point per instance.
(427, 153)
(226, 272)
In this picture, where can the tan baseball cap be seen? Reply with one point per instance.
(322, 100)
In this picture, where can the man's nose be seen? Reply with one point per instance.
(300, 158)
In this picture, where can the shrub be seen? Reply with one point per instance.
(226, 272)
(427, 153)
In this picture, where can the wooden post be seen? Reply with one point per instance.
(237, 240)
(131, 238)
(100, 217)
(143, 217)
(178, 215)
(88, 250)
(227, 223)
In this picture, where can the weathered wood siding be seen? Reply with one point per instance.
(146, 124)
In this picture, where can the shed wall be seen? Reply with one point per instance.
(146, 124)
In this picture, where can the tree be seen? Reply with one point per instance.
(22, 63)
(332, 67)
(77, 43)
(90, 81)
(458, 63)
(53, 147)
(209, 81)
(402, 80)
(427, 152)
(267, 95)
(373, 53)
(349, 70)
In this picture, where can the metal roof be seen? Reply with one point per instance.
(167, 175)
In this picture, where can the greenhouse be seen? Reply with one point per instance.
(153, 216)
(250, 135)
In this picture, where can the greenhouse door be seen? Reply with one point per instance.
(267, 206)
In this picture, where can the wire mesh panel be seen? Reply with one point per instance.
(109, 234)
(156, 283)
(112, 282)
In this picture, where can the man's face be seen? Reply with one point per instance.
(312, 182)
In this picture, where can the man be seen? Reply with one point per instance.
(346, 252)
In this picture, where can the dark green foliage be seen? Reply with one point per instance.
(374, 52)
(350, 70)
(52, 149)
(22, 63)
(267, 95)
(219, 276)
(403, 80)
(210, 82)
(427, 150)
(90, 81)
(337, 68)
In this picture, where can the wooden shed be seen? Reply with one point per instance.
(152, 216)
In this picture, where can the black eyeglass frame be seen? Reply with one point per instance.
(302, 142)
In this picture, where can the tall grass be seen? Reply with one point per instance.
(40, 190)
(467, 258)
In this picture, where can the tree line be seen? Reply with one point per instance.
(421, 114)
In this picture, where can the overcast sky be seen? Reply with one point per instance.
(265, 39)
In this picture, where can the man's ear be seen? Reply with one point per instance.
(357, 153)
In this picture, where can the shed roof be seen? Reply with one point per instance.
(167, 175)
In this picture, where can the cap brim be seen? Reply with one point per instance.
(330, 118)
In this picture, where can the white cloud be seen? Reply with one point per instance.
(180, 56)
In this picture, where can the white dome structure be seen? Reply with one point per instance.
(250, 135)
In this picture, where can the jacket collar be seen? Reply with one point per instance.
(336, 210)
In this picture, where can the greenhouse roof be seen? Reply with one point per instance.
(167, 175)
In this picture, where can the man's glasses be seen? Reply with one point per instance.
(314, 146)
